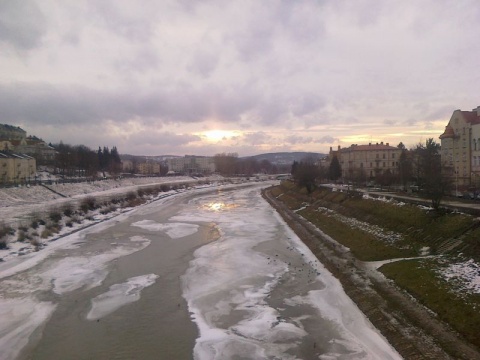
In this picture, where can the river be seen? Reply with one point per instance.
(206, 274)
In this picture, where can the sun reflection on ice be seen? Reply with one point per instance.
(218, 206)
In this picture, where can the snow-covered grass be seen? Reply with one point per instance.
(464, 275)
(35, 216)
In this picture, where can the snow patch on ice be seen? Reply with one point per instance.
(18, 320)
(119, 295)
(72, 273)
(174, 230)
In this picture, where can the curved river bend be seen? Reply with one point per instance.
(209, 274)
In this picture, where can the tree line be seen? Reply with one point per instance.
(81, 161)
(229, 164)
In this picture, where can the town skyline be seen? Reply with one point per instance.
(176, 78)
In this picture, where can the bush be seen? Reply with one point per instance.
(22, 236)
(55, 216)
(164, 187)
(34, 224)
(131, 196)
(68, 211)
(89, 203)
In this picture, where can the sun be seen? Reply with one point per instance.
(217, 135)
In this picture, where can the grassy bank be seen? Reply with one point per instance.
(380, 230)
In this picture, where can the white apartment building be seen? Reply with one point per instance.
(367, 161)
(191, 164)
(461, 147)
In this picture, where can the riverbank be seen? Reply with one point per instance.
(410, 327)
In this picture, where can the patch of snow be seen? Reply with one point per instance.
(465, 274)
(119, 295)
(174, 230)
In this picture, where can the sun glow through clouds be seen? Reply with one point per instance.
(218, 135)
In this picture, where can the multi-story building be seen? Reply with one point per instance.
(12, 132)
(16, 168)
(191, 164)
(148, 168)
(362, 162)
(460, 154)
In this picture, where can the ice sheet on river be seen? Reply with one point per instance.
(231, 288)
(174, 230)
(119, 295)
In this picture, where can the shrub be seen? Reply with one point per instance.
(68, 210)
(3, 244)
(164, 187)
(22, 236)
(34, 224)
(46, 233)
(131, 196)
(89, 203)
(55, 216)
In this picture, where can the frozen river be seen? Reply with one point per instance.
(209, 274)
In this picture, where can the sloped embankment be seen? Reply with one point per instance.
(375, 230)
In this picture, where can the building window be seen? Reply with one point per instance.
(393, 163)
(474, 144)
(393, 156)
(384, 164)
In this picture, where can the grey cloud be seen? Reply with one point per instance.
(307, 104)
(256, 138)
(48, 104)
(167, 138)
(204, 62)
(327, 139)
(22, 24)
(125, 20)
(296, 139)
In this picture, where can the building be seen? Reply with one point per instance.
(460, 154)
(148, 168)
(12, 132)
(363, 162)
(35, 147)
(16, 168)
(191, 164)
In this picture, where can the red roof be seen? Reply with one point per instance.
(448, 133)
(471, 117)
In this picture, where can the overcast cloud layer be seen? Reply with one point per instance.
(164, 77)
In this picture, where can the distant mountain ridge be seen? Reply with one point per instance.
(286, 158)
(278, 158)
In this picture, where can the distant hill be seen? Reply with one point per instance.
(286, 158)
(279, 158)
(159, 158)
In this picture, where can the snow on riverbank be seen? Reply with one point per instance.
(20, 207)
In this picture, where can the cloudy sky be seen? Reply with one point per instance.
(203, 77)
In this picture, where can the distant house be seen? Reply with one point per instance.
(460, 152)
(35, 147)
(148, 168)
(191, 164)
(362, 162)
(16, 168)
(12, 132)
